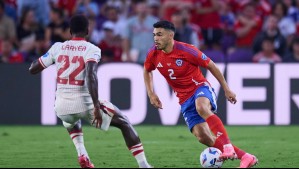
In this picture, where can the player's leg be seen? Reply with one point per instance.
(196, 123)
(202, 133)
(73, 125)
(131, 138)
(218, 143)
(228, 149)
(111, 115)
(205, 104)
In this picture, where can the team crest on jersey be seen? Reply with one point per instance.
(46, 55)
(179, 62)
(204, 57)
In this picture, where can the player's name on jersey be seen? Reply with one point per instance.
(73, 48)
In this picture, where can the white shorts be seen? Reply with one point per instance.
(69, 121)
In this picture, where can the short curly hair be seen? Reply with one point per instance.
(79, 24)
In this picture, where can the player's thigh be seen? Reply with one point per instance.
(206, 100)
(69, 121)
(190, 114)
(202, 103)
(87, 116)
(108, 111)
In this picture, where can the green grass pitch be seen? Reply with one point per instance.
(165, 147)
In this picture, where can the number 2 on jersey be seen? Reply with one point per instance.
(72, 77)
(171, 73)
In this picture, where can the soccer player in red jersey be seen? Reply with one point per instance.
(179, 63)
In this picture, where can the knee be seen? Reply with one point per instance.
(124, 120)
(202, 109)
(205, 139)
(68, 125)
(120, 121)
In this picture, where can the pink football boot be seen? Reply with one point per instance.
(228, 153)
(248, 161)
(85, 162)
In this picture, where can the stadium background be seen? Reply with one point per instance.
(254, 43)
(231, 32)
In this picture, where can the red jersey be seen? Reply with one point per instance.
(247, 40)
(208, 20)
(180, 68)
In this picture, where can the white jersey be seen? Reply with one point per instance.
(70, 57)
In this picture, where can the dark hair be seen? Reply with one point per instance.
(79, 24)
(109, 8)
(58, 11)
(2, 4)
(138, 1)
(269, 39)
(284, 7)
(25, 12)
(165, 24)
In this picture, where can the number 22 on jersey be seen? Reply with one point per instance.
(65, 60)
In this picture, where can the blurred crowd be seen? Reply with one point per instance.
(225, 30)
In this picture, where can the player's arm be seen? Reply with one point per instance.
(92, 83)
(36, 67)
(148, 80)
(231, 96)
(44, 61)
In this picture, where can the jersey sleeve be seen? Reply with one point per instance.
(149, 62)
(201, 60)
(94, 55)
(49, 58)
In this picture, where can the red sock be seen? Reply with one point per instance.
(218, 129)
(137, 149)
(240, 153)
(218, 144)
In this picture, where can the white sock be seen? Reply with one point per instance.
(139, 155)
(79, 143)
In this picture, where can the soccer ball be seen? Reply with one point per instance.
(209, 158)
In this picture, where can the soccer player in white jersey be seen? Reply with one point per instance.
(77, 92)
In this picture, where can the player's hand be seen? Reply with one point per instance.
(155, 101)
(97, 117)
(231, 96)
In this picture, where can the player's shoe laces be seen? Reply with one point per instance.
(85, 162)
(248, 161)
(228, 153)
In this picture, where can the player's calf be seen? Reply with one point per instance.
(131, 138)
